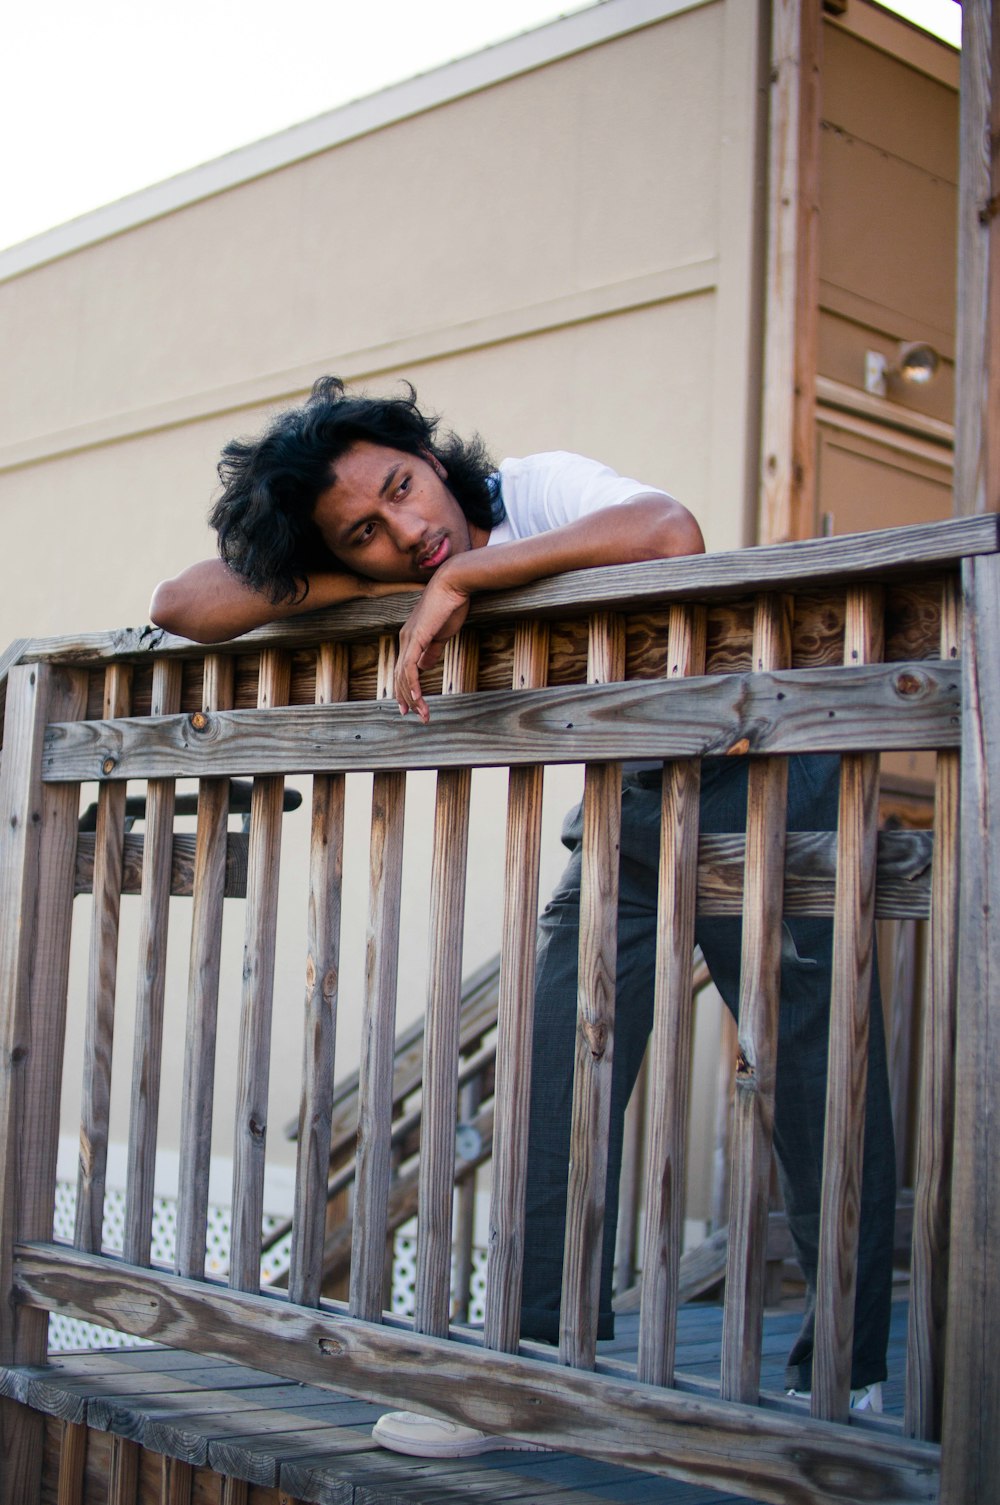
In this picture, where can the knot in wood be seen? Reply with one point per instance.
(596, 1036)
(738, 749)
(257, 1129)
(743, 1067)
(908, 684)
(109, 765)
(331, 1346)
(199, 721)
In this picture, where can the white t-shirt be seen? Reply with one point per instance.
(549, 490)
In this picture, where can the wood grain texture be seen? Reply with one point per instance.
(775, 1455)
(254, 1051)
(147, 1049)
(791, 289)
(669, 1062)
(760, 987)
(893, 707)
(183, 864)
(72, 1462)
(198, 1083)
(326, 864)
(878, 554)
(375, 1079)
(932, 1179)
(515, 1017)
(850, 1000)
(970, 1461)
(594, 1055)
(432, 1289)
(101, 986)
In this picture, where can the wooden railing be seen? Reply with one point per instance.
(847, 645)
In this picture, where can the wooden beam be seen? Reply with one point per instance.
(874, 707)
(791, 301)
(977, 366)
(771, 1454)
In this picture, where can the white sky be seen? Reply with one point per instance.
(103, 98)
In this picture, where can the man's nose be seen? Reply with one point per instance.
(408, 529)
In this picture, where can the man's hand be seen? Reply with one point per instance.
(438, 616)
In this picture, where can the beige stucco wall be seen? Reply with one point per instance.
(566, 258)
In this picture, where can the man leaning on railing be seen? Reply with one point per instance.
(352, 496)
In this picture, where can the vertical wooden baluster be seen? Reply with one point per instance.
(102, 980)
(198, 1089)
(157, 855)
(441, 1030)
(72, 1463)
(253, 1064)
(932, 1182)
(37, 861)
(760, 983)
(371, 1197)
(515, 1017)
(595, 1026)
(634, 1166)
(326, 863)
(901, 947)
(465, 1211)
(725, 1089)
(853, 936)
(123, 1471)
(673, 1019)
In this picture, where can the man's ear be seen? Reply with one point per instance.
(435, 464)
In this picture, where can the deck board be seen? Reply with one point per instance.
(316, 1444)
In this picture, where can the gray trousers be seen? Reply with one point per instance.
(813, 793)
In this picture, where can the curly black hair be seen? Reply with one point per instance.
(264, 517)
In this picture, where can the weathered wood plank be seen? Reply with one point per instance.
(326, 862)
(892, 707)
(594, 1055)
(515, 1015)
(760, 988)
(439, 1098)
(101, 986)
(147, 1048)
(971, 1435)
(209, 881)
(183, 863)
(123, 1472)
(627, 587)
(932, 1180)
(253, 1059)
(28, 1022)
(669, 1063)
(767, 1451)
(850, 1002)
(791, 292)
(72, 1462)
(375, 1083)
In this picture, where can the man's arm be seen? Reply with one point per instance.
(208, 603)
(650, 526)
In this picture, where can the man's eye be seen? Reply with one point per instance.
(403, 486)
(365, 533)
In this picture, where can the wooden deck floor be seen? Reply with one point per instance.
(316, 1446)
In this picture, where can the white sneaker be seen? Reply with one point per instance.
(866, 1398)
(428, 1437)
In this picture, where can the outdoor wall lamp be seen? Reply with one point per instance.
(916, 364)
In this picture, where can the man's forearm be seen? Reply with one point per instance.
(209, 604)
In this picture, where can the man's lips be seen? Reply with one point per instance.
(435, 555)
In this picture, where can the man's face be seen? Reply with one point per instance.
(390, 516)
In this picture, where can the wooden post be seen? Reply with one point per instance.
(977, 373)
(36, 896)
(970, 1440)
(970, 1457)
(791, 303)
